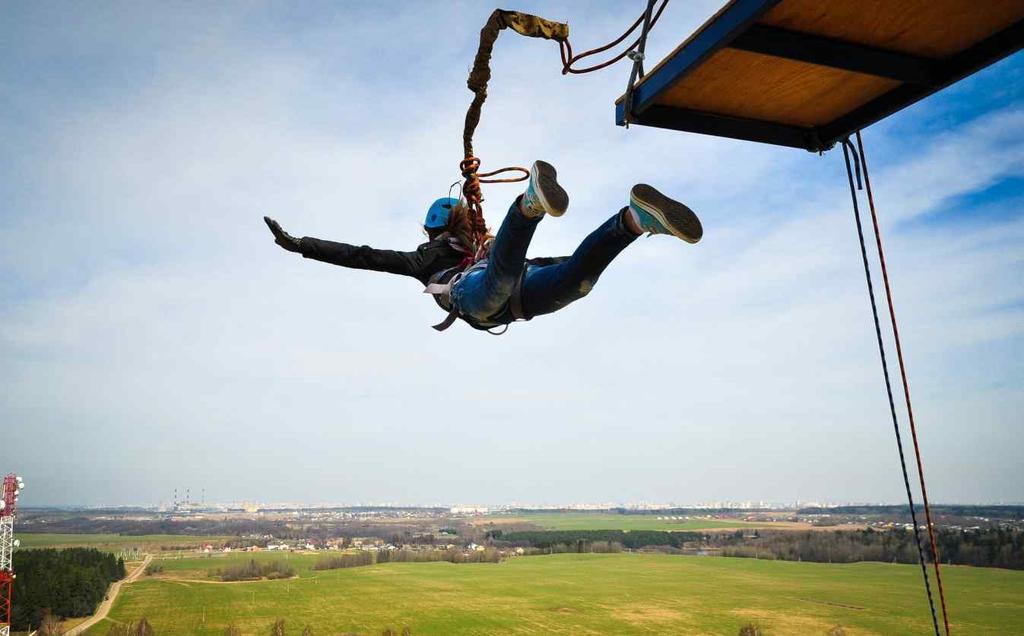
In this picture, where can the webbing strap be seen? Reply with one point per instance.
(453, 315)
(444, 292)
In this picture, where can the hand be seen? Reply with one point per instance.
(282, 238)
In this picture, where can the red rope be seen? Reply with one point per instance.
(568, 58)
(906, 385)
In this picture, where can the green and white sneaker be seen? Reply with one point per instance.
(658, 214)
(543, 194)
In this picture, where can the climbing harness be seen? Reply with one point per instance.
(441, 284)
(858, 167)
(440, 287)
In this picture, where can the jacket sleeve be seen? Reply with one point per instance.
(364, 257)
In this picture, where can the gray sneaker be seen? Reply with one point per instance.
(659, 214)
(543, 194)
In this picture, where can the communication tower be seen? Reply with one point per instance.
(12, 486)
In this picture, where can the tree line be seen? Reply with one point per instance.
(579, 547)
(987, 547)
(65, 583)
(632, 539)
(1000, 547)
(990, 547)
(353, 560)
(254, 571)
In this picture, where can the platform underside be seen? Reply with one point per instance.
(807, 73)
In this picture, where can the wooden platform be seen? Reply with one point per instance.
(807, 73)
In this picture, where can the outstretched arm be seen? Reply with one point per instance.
(345, 255)
(363, 257)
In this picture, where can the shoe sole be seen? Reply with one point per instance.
(676, 217)
(552, 196)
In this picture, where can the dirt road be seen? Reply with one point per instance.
(104, 608)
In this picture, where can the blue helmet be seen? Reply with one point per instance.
(437, 215)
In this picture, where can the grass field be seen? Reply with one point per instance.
(199, 566)
(612, 521)
(112, 542)
(578, 594)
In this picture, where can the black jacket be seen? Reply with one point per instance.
(427, 260)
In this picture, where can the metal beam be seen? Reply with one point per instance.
(714, 36)
(722, 126)
(949, 71)
(823, 51)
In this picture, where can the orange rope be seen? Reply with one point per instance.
(474, 197)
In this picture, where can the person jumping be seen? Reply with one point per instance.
(505, 286)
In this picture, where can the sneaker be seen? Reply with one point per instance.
(658, 214)
(543, 194)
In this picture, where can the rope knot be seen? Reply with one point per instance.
(472, 191)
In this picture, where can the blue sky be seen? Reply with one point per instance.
(153, 337)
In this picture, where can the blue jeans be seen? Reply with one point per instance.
(482, 296)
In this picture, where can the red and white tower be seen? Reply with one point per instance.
(8, 504)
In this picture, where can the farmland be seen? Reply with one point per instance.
(574, 593)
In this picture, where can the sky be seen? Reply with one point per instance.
(153, 337)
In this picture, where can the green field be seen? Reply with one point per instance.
(113, 541)
(612, 521)
(577, 594)
(192, 566)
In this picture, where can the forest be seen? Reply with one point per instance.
(987, 547)
(984, 547)
(68, 583)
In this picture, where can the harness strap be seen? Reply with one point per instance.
(438, 289)
(442, 292)
(453, 315)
